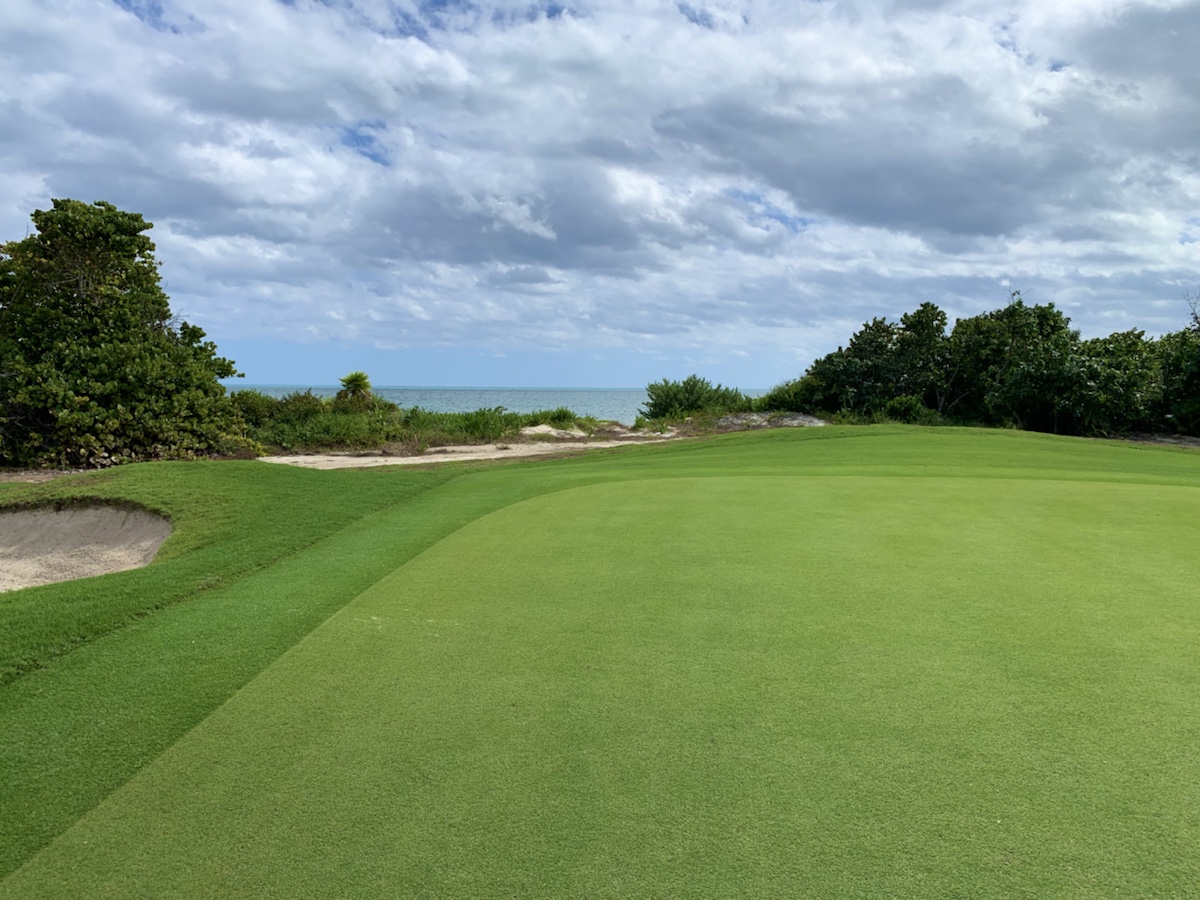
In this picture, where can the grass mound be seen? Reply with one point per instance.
(854, 662)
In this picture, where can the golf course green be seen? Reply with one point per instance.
(841, 662)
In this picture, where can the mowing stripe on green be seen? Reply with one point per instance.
(709, 687)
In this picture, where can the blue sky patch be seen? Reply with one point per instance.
(148, 11)
(761, 208)
(363, 140)
(701, 17)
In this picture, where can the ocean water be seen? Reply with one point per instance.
(606, 404)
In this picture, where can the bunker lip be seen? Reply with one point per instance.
(44, 545)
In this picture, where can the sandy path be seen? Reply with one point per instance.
(34, 476)
(451, 454)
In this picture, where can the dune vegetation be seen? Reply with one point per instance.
(359, 419)
(851, 662)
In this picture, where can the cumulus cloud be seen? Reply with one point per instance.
(739, 179)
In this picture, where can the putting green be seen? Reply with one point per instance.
(727, 686)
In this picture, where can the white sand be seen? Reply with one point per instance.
(450, 454)
(41, 546)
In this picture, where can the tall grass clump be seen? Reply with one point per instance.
(562, 417)
(489, 424)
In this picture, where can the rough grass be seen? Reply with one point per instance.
(876, 662)
(213, 507)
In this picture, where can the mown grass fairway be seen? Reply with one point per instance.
(872, 662)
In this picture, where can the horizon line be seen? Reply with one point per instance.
(229, 382)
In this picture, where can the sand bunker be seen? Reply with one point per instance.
(40, 546)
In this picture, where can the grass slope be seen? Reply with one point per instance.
(659, 679)
(228, 521)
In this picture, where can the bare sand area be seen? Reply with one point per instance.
(538, 440)
(456, 453)
(41, 546)
(34, 476)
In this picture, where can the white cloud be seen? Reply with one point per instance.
(748, 177)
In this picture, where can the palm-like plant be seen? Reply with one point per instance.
(356, 387)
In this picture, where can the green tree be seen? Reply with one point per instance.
(1179, 367)
(1032, 375)
(93, 368)
(923, 356)
(1010, 366)
(1020, 365)
(860, 377)
(1113, 386)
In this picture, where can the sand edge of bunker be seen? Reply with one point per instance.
(48, 544)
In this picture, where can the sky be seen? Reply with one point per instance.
(606, 193)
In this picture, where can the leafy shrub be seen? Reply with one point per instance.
(332, 429)
(678, 399)
(418, 419)
(372, 405)
(909, 409)
(791, 396)
(299, 406)
(254, 407)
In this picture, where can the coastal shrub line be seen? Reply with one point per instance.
(358, 419)
(1021, 366)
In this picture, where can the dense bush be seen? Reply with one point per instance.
(787, 397)
(303, 420)
(559, 418)
(1179, 367)
(254, 407)
(909, 408)
(1021, 365)
(678, 399)
(300, 406)
(93, 368)
(330, 429)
